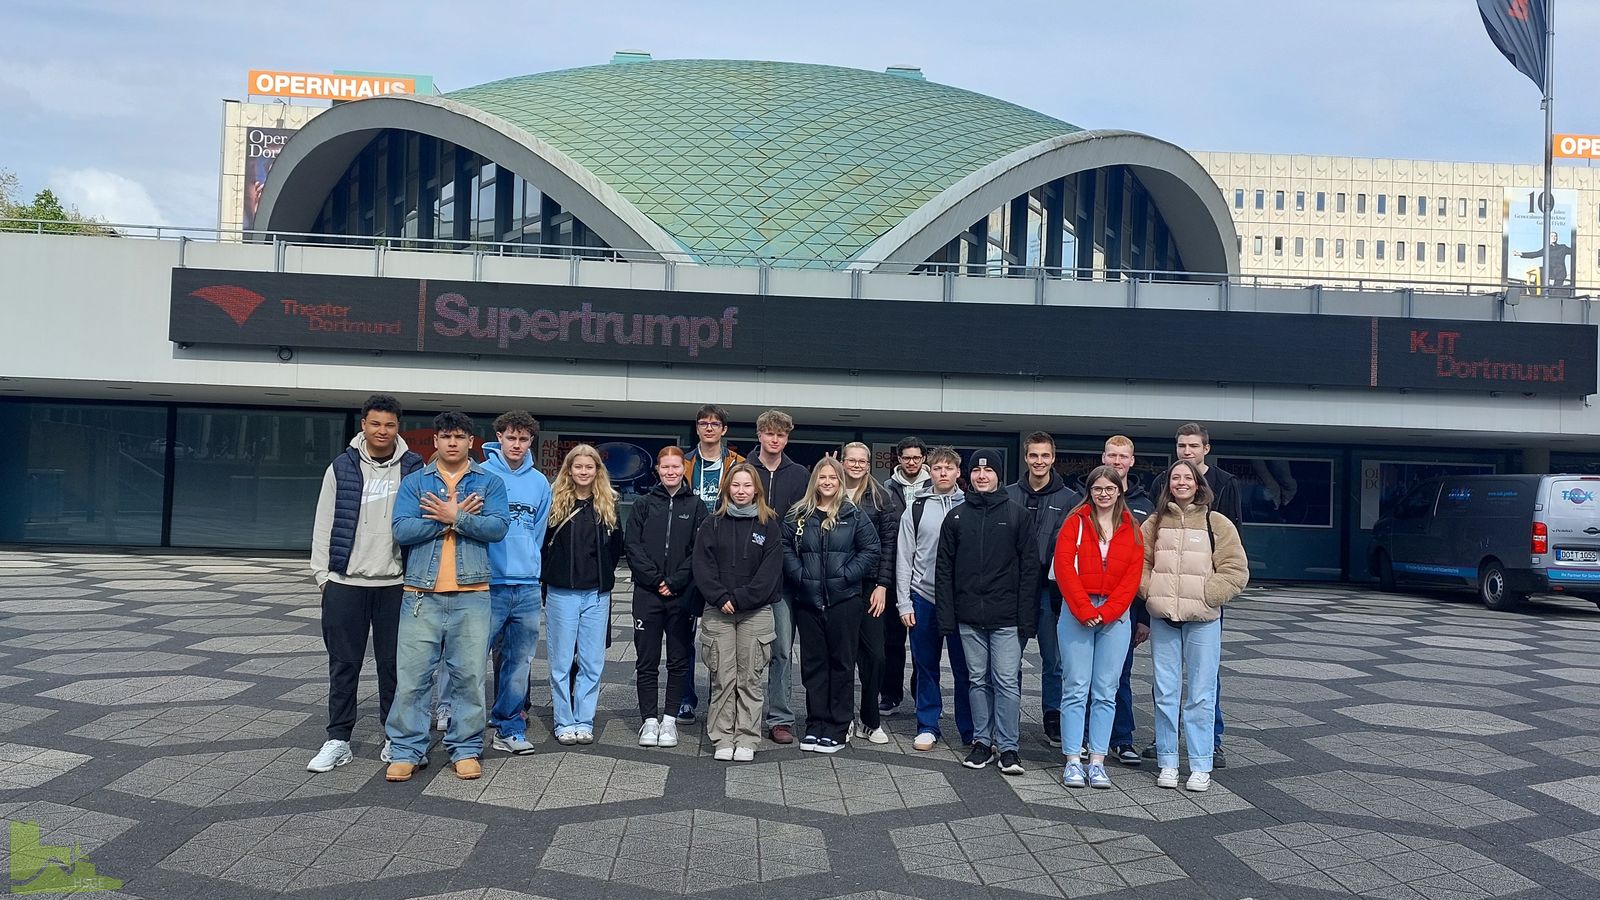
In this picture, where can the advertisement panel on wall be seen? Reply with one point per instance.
(1525, 243)
(261, 148)
(630, 459)
(1385, 482)
(1292, 493)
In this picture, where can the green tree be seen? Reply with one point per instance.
(46, 208)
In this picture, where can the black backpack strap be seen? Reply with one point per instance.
(1212, 535)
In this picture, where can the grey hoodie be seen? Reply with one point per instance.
(917, 556)
(374, 557)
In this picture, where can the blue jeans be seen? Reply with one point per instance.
(1123, 723)
(690, 698)
(780, 672)
(1190, 652)
(452, 628)
(576, 628)
(514, 626)
(1049, 652)
(925, 646)
(1094, 658)
(994, 668)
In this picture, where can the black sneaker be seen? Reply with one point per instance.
(1052, 727)
(1125, 754)
(980, 756)
(1150, 751)
(1219, 760)
(685, 715)
(1010, 763)
(828, 745)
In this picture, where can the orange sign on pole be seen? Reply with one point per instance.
(311, 86)
(1576, 146)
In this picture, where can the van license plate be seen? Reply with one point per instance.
(1587, 556)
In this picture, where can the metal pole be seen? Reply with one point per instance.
(1548, 200)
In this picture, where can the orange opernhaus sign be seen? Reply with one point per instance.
(313, 86)
(1576, 146)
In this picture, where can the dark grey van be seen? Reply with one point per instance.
(1507, 536)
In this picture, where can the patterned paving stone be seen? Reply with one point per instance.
(37, 604)
(1583, 749)
(1434, 753)
(482, 894)
(67, 825)
(241, 776)
(23, 766)
(112, 661)
(206, 610)
(1034, 856)
(1581, 851)
(1580, 675)
(148, 584)
(1321, 652)
(1582, 792)
(1260, 717)
(1334, 639)
(67, 621)
(1468, 695)
(327, 849)
(555, 781)
(1353, 861)
(687, 852)
(161, 597)
(1400, 797)
(1283, 668)
(15, 715)
(87, 640)
(1475, 658)
(1457, 674)
(840, 786)
(252, 626)
(152, 689)
(299, 668)
(1434, 718)
(1280, 691)
(174, 725)
(315, 693)
(1133, 795)
(1485, 644)
(261, 643)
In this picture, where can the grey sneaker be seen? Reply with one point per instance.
(516, 744)
(1073, 776)
(667, 736)
(585, 736)
(1098, 778)
(333, 753)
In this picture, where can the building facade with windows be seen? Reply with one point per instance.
(1408, 222)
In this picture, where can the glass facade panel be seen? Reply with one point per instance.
(250, 478)
(89, 474)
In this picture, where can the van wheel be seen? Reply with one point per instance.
(1492, 589)
(1385, 572)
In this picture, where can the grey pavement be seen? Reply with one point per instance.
(157, 712)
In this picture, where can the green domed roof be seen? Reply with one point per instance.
(765, 159)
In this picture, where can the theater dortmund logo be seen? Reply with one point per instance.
(38, 868)
(239, 303)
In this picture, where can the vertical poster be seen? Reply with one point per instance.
(1525, 243)
(261, 148)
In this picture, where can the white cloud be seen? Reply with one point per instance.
(108, 196)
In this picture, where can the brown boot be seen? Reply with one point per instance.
(400, 771)
(468, 769)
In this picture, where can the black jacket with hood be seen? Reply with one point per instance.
(1047, 509)
(659, 539)
(988, 567)
(885, 515)
(739, 559)
(560, 568)
(826, 568)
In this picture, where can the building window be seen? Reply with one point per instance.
(1338, 202)
(1422, 206)
(1277, 200)
(1443, 207)
(1322, 201)
(1483, 254)
(1438, 253)
(1257, 245)
(1399, 251)
(1461, 254)
(1299, 246)
(1422, 252)
(1383, 204)
(1361, 249)
(1277, 246)
(1399, 204)
(1261, 199)
(1461, 207)
(1338, 248)
(1317, 247)
(1483, 208)
(1377, 249)
(1361, 204)
(1238, 198)
(1299, 201)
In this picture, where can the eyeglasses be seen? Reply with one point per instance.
(710, 423)
(1104, 491)
(908, 458)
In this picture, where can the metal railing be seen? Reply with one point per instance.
(282, 240)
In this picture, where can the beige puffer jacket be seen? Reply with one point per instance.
(1184, 579)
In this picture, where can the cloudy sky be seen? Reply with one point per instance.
(117, 106)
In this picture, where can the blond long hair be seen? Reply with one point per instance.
(564, 494)
(868, 490)
(811, 502)
(764, 512)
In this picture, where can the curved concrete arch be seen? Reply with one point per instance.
(312, 162)
(1187, 197)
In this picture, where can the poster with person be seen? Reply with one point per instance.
(261, 148)
(1526, 244)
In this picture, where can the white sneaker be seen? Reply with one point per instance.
(744, 754)
(1167, 779)
(925, 741)
(668, 736)
(1198, 782)
(386, 754)
(333, 753)
(650, 733)
(723, 754)
(874, 735)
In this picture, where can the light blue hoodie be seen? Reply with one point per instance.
(516, 559)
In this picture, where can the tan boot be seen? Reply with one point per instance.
(468, 769)
(400, 771)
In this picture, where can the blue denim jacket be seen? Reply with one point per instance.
(423, 538)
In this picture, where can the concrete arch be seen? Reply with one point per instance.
(312, 162)
(1189, 200)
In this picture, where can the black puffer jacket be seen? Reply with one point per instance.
(660, 540)
(826, 568)
(740, 560)
(988, 566)
(885, 515)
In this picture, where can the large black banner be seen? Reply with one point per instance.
(559, 322)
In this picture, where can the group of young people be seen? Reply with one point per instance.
(450, 564)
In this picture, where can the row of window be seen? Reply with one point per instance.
(1380, 249)
(1319, 200)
